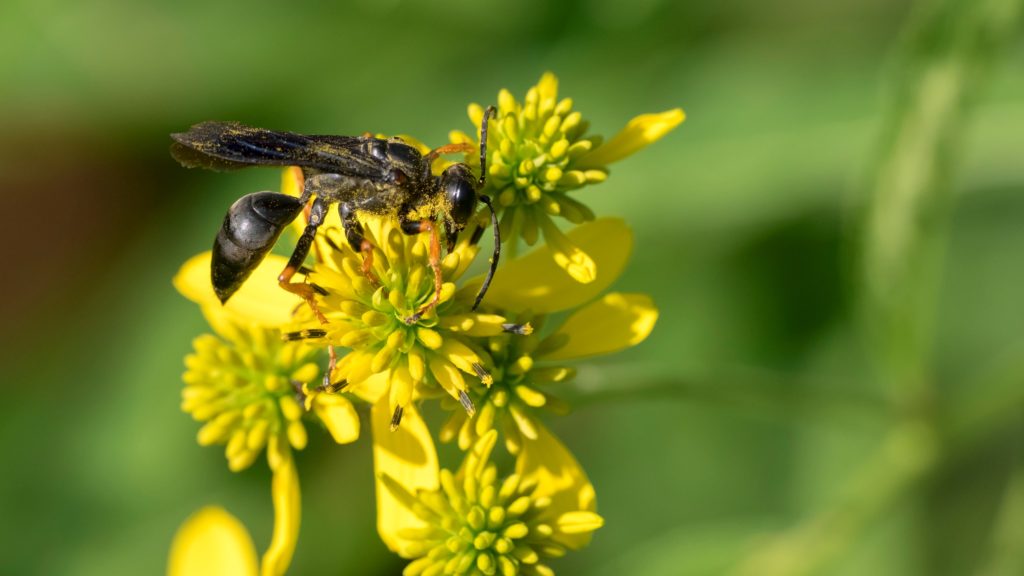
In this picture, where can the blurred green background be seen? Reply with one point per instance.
(836, 382)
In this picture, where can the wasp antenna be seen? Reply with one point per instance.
(483, 146)
(497, 250)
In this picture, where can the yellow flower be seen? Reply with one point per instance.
(393, 355)
(538, 152)
(212, 542)
(526, 366)
(245, 382)
(241, 386)
(473, 522)
(259, 301)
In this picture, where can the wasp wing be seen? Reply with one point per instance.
(231, 145)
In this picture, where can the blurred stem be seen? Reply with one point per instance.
(1007, 553)
(950, 45)
(758, 392)
(994, 400)
(911, 451)
(906, 455)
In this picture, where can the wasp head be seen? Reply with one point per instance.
(459, 188)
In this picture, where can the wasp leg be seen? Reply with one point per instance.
(447, 149)
(305, 193)
(418, 227)
(358, 242)
(315, 218)
(301, 289)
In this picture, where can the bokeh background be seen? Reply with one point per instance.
(834, 239)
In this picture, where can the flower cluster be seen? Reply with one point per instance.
(403, 340)
(478, 522)
(539, 151)
(241, 386)
(431, 355)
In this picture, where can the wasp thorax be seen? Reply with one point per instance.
(459, 187)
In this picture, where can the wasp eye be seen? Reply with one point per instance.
(460, 193)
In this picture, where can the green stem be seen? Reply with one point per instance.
(758, 392)
(951, 43)
(950, 46)
(906, 455)
(1006, 557)
(991, 401)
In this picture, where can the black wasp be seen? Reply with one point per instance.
(361, 174)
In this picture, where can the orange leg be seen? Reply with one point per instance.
(447, 149)
(307, 292)
(314, 213)
(301, 289)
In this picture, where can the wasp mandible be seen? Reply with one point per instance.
(362, 174)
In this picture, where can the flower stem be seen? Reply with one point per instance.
(950, 47)
(905, 456)
(759, 392)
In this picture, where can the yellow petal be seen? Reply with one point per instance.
(575, 261)
(614, 322)
(447, 375)
(292, 180)
(560, 477)
(212, 542)
(339, 416)
(372, 388)
(479, 456)
(460, 137)
(408, 456)
(579, 522)
(638, 133)
(547, 89)
(260, 300)
(287, 517)
(535, 282)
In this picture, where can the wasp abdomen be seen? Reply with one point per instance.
(252, 226)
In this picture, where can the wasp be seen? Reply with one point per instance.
(361, 174)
